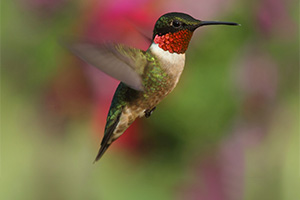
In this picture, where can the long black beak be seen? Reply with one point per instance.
(205, 23)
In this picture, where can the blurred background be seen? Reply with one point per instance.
(229, 131)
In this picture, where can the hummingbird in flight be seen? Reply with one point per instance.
(146, 77)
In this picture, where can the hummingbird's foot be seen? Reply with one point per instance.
(148, 112)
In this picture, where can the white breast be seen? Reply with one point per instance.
(173, 63)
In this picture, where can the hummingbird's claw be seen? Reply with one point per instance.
(149, 112)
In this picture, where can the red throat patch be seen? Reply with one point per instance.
(177, 42)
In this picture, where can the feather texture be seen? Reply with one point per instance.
(123, 63)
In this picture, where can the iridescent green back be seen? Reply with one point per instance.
(155, 81)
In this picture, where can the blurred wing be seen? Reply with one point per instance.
(118, 61)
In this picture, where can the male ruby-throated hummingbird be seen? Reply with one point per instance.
(146, 77)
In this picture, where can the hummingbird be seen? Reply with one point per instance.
(146, 77)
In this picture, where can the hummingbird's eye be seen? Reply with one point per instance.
(176, 24)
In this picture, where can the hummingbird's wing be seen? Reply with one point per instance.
(123, 63)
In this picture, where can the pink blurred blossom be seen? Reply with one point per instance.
(274, 19)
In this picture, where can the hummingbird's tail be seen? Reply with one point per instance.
(102, 150)
(107, 139)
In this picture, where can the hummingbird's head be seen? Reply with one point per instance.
(173, 31)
